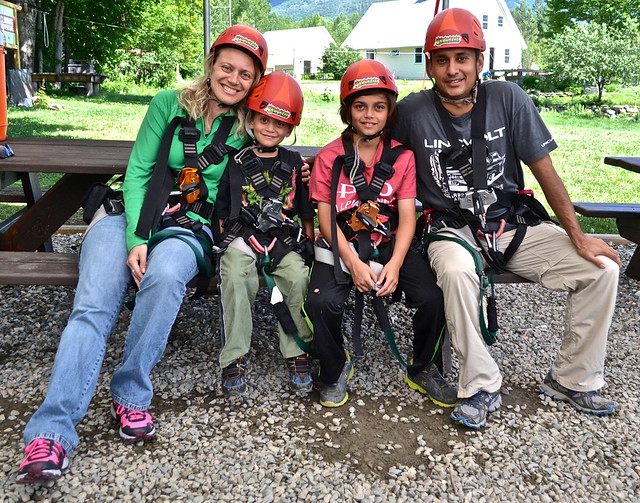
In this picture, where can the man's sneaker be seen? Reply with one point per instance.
(432, 384)
(472, 411)
(46, 460)
(135, 425)
(335, 395)
(590, 402)
(234, 378)
(299, 368)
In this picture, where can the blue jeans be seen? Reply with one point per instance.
(103, 281)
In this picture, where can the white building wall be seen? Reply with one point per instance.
(403, 65)
(498, 38)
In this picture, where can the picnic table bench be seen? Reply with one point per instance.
(627, 215)
(77, 72)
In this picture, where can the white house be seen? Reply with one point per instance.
(298, 51)
(394, 33)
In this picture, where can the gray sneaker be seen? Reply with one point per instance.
(432, 384)
(335, 395)
(590, 402)
(472, 411)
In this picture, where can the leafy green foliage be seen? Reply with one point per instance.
(612, 13)
(335, 60)
(532, 22)
(594, 54)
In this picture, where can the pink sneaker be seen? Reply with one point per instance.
(46, 460)
(135, 425)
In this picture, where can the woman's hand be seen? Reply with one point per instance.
(137, 262)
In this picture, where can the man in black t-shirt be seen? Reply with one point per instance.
(488, 211)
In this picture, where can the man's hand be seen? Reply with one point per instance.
(137, 262)
(591, 248)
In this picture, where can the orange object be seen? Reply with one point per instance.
(3, 93)
(454, 28)
(189, 182)
(364, 75)
(279, 96)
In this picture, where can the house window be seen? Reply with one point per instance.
(307, 67)
(500, 21)
(394, 52)
(506, 55)
(369, 55)
(485, 22)
(417, 56)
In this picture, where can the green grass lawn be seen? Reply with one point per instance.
(583, 142)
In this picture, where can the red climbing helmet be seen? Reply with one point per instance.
(246, 39)
(277, 95)
(454, 28)
(366, 74)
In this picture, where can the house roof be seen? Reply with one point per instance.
(285, 44)
(403, 23)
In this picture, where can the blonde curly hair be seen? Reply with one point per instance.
(195, 97)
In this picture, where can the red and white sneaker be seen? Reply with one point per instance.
(46, 460)
(135, 425)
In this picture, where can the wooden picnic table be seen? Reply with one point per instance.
(629, 163)
(82, 162)
(627, 215)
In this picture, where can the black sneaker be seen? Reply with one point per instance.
(432, 384)
(299, 368)
(234, 378)
(46, 460)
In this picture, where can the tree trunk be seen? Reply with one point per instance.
(27, 19)
(58, 30)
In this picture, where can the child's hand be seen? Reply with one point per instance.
(305, 170)
(363, 277)
(388, 279)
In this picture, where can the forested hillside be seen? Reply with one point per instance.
(299, 9)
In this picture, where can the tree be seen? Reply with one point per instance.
(613, 13)
(335, 60)
(594, 54)
(83, 29)
(532, 22)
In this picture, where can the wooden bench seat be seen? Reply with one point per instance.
(61, 269)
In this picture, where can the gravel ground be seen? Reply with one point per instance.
(387, 444)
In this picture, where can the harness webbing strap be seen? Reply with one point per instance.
(163, 177)
(162, 181)
(489, 334)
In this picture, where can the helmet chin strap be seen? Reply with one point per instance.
(366, 137)
(213, 97)
(469, 100)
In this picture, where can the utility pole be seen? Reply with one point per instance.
(207, 27)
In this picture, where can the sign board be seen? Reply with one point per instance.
(8, 25)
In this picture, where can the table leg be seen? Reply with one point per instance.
(48, 213)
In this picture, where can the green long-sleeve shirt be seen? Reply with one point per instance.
(162, 109)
